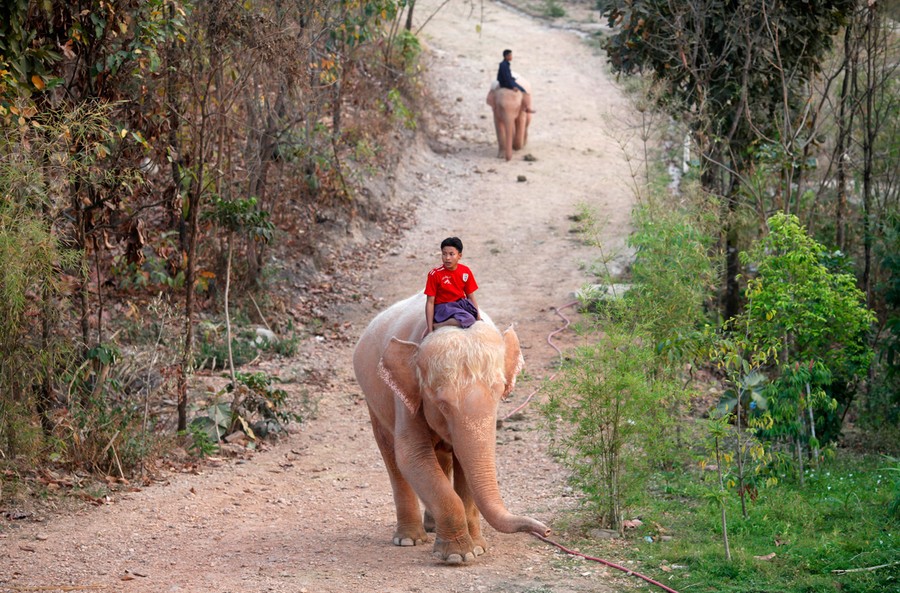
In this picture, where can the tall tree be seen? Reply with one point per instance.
(734, 73)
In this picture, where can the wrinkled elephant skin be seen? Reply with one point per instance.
(433, 405)
(511, 120)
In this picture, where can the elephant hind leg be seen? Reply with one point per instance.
(520, 133)
(526, 103)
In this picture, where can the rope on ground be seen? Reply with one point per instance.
(552, 345)
(627, 571)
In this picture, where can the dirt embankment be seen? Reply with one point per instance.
(314, 513)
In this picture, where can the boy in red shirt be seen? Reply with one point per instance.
(450, 289)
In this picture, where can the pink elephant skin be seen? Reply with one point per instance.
(511, 120)
(433, 405)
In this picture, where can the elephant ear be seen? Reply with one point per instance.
(513, 361)
(398, 370)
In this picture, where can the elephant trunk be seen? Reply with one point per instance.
(481, 476)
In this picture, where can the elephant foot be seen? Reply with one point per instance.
(430, 524)
(458, 550)
(480, 545)
(410, 538)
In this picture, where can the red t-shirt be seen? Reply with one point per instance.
(448, 286)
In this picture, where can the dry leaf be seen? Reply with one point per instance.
(67, 50)
(766, 557)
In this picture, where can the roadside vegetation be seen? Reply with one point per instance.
(735, 419)
(158, 160)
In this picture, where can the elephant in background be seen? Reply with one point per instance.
(433, 404)
(511, 119)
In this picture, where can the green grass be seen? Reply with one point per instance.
(837, 520)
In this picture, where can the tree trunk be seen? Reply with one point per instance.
(869, 133)
(409, 15)
(841, 150)
(45, 396)
(739, 457)
(227, 313)
(187, 357)
(83, 299)
(812, 427)
(722, 502)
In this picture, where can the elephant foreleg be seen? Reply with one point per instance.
(505, 131)
(409, 531)
(508, 135)
(419, 464)
(498, 129)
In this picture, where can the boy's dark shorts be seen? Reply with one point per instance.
(463, 311)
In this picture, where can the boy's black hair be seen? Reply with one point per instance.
(506, 52)
(452, 242)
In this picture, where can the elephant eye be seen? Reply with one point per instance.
(443, 403)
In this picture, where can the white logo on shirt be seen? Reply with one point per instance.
(465, 277)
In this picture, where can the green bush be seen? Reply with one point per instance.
(410, 49)
(246, 345)
(613, 410)
(792, 539)
(32, 295)
(814, 323)
(674, 273)
(607, 418)
(553, 10)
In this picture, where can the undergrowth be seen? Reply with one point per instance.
(795, 538)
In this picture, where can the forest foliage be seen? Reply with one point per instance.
(762, 304)
(152, 152)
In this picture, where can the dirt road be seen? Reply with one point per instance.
(314, 513)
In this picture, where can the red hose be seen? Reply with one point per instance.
(627, 571)
(564, 318)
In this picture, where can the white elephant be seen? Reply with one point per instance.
(433, 404)
(512, 116)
